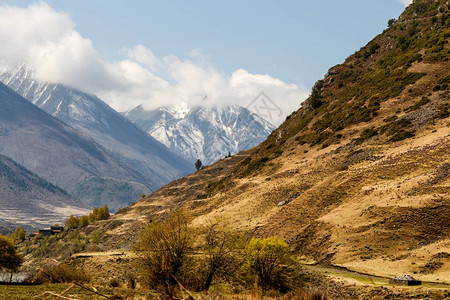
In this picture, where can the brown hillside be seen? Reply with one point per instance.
(362, 169)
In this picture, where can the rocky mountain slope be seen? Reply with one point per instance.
(86, 113)
(358, 177)
(29, 200)
(55, 151)
(205, 133)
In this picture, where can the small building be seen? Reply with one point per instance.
(56, 229)
(45, 232)
(32, 235)
(405, 280)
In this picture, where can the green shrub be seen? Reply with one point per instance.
(397, 129)
(423, 101)
(391, 22)
(403, 42)
(401, 135)
(315, 99)
(373, 47)
(445, 80)
(216, 185)
(315, 139)
(255, 165)
(271, 262)
(366, 134)
(94, 237)
(443, 111)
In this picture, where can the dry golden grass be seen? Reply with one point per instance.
(374, 206)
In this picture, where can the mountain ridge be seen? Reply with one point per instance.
(202, 132)
(52, 149)
(29, 200)
(95, 118)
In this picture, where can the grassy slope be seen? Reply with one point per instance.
(363, 164)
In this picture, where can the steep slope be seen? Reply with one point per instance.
(53, 150)
(358, 176)
(107, 127)
(206, 133)
(31, 201)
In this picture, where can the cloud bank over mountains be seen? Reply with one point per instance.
(46, 41)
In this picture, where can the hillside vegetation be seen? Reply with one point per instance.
(358, 177)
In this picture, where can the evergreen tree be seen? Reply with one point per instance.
(103, 213)
(198, 164)
(19, 234)
(84, 221)
(72, 222)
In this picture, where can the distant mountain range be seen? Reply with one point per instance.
(54, 150)
(206, 133)
(97, 156)
(107, 127)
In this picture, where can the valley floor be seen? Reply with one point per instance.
(331, 282)
(334, 282)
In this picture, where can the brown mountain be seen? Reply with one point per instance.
(359, 176)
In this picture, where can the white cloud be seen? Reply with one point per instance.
(405, 2)
(144, 56)
(46, 41)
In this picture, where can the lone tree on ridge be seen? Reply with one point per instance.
(198, 164)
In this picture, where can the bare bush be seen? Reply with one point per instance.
(162, 251)
(61, 273)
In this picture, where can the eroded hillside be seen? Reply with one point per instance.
(359, 176)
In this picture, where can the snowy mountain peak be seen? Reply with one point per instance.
(149, 162)
(179, 110)
(206, 133)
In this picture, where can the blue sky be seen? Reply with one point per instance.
(285, 44)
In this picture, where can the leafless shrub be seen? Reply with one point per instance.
(61, 273)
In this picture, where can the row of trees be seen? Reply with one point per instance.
(11, 260)
(169, 257)
(101, 213)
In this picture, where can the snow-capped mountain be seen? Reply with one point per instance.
(57, 152)
(200, 132)
(90, 115)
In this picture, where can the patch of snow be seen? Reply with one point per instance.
(179, 111)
